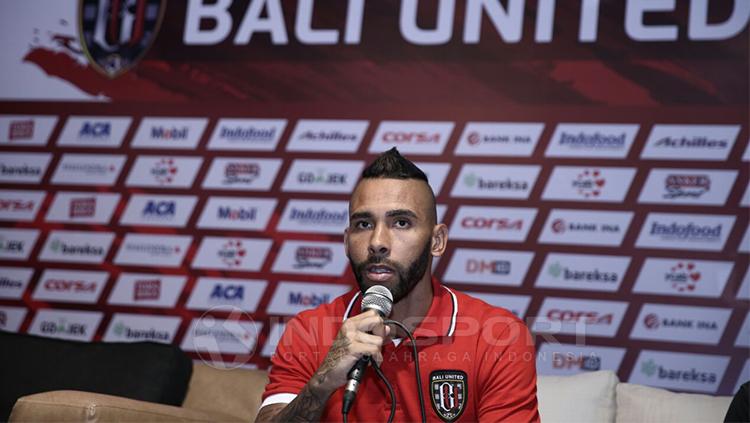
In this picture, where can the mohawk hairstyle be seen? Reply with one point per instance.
(393, 165)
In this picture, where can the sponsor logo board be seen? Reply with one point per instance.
(683, 277)
(585, 227)
(11, 318)
(327, 176)
(153, 250)
(690, 142)
(291, 298)
(488, 267)
(428, 138)
(13, 282)
(582, 272)
(516, 304)
(436, 174)
(579, 317)
(744, 246)
(158, 210)
(26, 130)
(495, 181)
(693, 325)
(70, 286)
(744, 376)
(241, 254)
(242, 174)
(679, 371)
(496, 224)
(605, 141)
(687, 186)
(685, 231)
(247, 134)
(241, 214)
(743, 336)
(744, 292)
(274, 336)
(169, 133)
(163, 172)
(315, 216)
(334, 136)
(76, 247)
(745, 201)
(93, 131)
(241, 293)
(126, 327)
(16, 244)
(225, 336)
(147, 290)
(565, 359)
(82, 207)
(592, 184)
(311, 258)
(497, 139)
(66, 324)
(88, 169)
(20, 206)
(23, 168)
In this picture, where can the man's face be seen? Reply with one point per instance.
(388, 240)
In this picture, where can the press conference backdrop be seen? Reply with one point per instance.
(179, 172)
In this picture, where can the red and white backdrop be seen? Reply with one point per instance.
(180, 172)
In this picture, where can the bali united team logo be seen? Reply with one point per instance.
(116, 34)
(448, 389)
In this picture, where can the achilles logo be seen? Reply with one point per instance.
(164, 171)
(21, 130)
(587, 317)
(473, 181)
(232, 253)
(692, 186)
(62, 285)
(557, 270)
(308, 300)
(399, 137)
(247, 134)
(235, 173)
(61, 247)
(688, 231)
(82, 207)
(327, 136)
(492, 223)
(589, 183)
(315, 257)
(227, 293)
(95, 130)
(237, 214)
(497, 267)
(173, 133)
(16, 205)
(146, 289)
(694, 142)
(595, 140)
(123, 331)
(569, 360)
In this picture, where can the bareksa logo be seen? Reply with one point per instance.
(679, 371)
(495, 181)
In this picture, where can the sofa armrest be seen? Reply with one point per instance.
(78, 406)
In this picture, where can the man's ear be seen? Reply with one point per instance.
(439, 240)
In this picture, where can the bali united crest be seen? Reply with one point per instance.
(116, 34)
(448, 389)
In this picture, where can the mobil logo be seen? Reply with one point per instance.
(308, 299)
(169, 133)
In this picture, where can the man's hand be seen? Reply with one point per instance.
(360, 335)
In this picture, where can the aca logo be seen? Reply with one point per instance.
(227, 293)
(683, 277)
(95, 130)
(160, 209)
(232, 253)
(164, 171)
(589, 183)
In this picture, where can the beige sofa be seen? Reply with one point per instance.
(234, 395)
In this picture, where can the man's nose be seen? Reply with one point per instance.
(379, 242)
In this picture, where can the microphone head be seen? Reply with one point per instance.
(378, 298)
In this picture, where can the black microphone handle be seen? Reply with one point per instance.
(352, 385)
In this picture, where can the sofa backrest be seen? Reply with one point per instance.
(236, 392)
(585, 397)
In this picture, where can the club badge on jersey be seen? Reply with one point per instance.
(448, 390)
(115, 34)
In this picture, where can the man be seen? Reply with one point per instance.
(476, 361)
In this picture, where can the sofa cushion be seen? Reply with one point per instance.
(145, 371)
(585, 397)
(638, 403)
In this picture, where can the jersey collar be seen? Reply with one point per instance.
(440, 320)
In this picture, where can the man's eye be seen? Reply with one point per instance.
(402, 223)
(362, 225)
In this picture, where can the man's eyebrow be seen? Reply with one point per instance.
(360, 215)
(401, 213)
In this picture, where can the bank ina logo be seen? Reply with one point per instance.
(232, 252)
(21, 130)
(164, 171)
(589, 183)
(115, 35)
(683, 277)
(315, 257)
(240, 173)
(95, 130)
(62, 326)
(681, 186)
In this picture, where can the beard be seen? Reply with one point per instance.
(407, 276)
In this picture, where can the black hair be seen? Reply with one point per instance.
(393, 165)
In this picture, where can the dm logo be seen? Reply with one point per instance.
(116, 34)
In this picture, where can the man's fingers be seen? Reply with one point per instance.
(373, 339)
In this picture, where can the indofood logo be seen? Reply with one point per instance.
(318, 217)
(232, 253)
(557, 270)
(164, 171)
(693, 186)
(683, 277)
(93, 169)
(62, 248)
(650, 368)
(589, 183)
(595, 140)
(471, 180)
(247, 134)
(123, 331)
(689, 231)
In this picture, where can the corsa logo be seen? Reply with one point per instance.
(398, 137)
(16, 205)
(69, 285)
(492, 223)
(587, 317)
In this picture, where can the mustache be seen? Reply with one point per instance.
(376, 259)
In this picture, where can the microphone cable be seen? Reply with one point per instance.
(416, 366)
(345, 416)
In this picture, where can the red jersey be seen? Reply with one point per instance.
(476, 362)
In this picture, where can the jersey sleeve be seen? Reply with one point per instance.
(507, 372)
(294, 362)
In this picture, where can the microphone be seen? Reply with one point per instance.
(380, 299)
